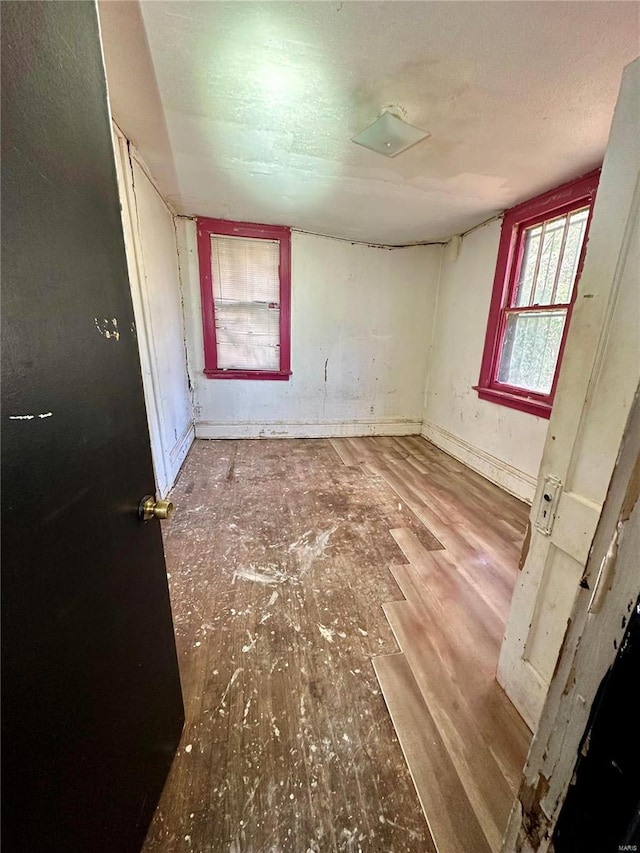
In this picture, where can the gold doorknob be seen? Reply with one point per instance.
(151, 508)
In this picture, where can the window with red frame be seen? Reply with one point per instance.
(245, 281)
(540, 258)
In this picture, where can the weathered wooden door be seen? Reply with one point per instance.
(598, 379)
(91, 702)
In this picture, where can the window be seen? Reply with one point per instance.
(245, 279)
(540, 257)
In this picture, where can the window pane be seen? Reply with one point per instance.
(247, 336)
(528, 266)
(573, 246)
(530, 349)
(245, 276)
(245, 269)
(549, 260)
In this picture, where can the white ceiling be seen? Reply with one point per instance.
(245, 110)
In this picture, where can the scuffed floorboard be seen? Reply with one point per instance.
(278, 560)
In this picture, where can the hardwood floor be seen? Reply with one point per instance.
(466, 743)
(278, 559)
(446, 806)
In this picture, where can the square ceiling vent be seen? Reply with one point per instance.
(390, 135)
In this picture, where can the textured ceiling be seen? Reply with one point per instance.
(245, 110)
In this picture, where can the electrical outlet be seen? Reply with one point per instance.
(551, 491)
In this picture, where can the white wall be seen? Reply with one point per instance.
(152, 258)
(505, 445)
(362, 319)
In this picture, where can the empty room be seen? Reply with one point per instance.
(320, 426)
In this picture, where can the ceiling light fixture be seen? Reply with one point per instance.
(390, 134)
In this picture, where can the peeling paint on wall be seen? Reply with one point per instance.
(108, 328)
(41, 416)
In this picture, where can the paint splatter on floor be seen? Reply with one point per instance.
(277, 557)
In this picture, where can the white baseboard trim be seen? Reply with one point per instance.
(178, 453)
(326, 429)
(511, 479)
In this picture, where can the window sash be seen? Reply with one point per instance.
(569, 204)
(247, 335)
(529, 348)
(567, 231)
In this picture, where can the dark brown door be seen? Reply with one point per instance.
(91, 702)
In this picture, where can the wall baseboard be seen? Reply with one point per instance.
(326, 429)
(510, 479)
(178, 453)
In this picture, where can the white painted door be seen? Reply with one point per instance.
(152, 259)
(599, 619)
(598, 379)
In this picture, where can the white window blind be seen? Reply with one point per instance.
(245, 275)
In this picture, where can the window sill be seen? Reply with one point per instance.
(260, 375)
(514, 401)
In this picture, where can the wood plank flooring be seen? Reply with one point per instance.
(281, 556)
(278, 559)
(466, 743)
(446, 806)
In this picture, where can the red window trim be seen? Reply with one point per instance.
(562, 199)
(207, 227)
